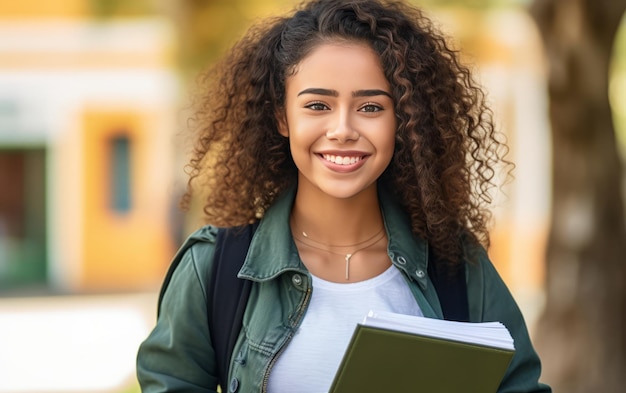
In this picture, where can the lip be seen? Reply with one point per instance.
(360, 156)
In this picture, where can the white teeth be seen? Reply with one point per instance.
(341, 160)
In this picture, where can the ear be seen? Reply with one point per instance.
(281, 120)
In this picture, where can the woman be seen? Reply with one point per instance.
(353, 134)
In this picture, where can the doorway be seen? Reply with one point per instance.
(23, 251)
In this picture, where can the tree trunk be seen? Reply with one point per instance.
(581, 336)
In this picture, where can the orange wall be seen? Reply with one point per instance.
(123, 250)
(518, 254)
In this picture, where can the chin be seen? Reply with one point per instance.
(347, 191)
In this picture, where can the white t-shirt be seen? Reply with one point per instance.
(310, 360)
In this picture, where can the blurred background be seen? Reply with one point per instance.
(92, 149)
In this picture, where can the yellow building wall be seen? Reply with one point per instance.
(43, 8)
(91, 246)
(123, 250)
(519, 253)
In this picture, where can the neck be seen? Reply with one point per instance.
(337, 221)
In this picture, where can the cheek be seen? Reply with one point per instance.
(389, 150)
(300, 144)
(304, 132)
(387, 142)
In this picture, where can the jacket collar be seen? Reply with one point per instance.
(273, 251)
(407, 251)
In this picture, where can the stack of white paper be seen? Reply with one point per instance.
(491, 334)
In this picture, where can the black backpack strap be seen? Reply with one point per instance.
(451, 288)
(228, 297)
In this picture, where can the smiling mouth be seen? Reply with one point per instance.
(342, 160)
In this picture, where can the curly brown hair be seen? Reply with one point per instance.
(446, 151)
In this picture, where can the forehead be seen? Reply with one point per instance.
(339, 64)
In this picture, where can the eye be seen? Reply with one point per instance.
(317, 106)
(369, 107)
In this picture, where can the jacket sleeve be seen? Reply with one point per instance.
(491, 300)
(178, 356)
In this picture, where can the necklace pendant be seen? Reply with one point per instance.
(348, 256)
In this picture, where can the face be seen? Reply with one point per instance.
(340, 120)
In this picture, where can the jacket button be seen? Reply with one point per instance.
(401, 260)
(420, 274)
(296, 280)
(234, 385)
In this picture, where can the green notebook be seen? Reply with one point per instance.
(379, 359)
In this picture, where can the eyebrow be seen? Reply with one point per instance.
(370, 93)
(335, 93)
(319, 91)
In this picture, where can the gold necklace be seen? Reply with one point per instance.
(347, 256)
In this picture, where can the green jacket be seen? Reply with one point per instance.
(178, 356)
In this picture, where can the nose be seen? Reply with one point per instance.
(343, 129)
